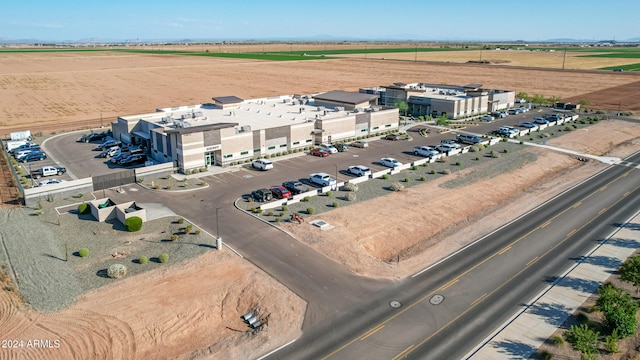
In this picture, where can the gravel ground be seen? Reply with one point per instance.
(36, 247)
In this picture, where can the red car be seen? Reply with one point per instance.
(280, 192)
(319, 152)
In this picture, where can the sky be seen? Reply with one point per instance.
(442, 20)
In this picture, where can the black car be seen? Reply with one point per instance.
(342, 147)
(262, 195)
(93, 137)
(134, 159)
(295, 187)
(34, 156)
(107, 144)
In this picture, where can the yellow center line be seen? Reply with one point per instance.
(572, 232)
(602, 211)
(445, 286)
(626, 194)
(479, 299)
(603, 188)
(409, 307)
(576, 204)
(533, 261)
(371, 332)
(545, 224)
(504, 250)
(403, 353)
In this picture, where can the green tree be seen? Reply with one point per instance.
(538, 99)
(402, 106)
(583, 339)
(619, 310)
(443, 120)
(584, 102)
(523, 95)
(630, 271)
(553, 99)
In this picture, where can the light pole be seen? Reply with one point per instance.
(218, 238)
(336, 166)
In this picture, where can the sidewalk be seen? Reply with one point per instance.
(520, 336)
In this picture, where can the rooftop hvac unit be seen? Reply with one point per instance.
(245, 128)
(166, 119)
(197, 114)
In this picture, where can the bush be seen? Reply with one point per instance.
(557, 340)
(181, 221)
(84, 209)
(494, 154)
(188, 228)
(83, 252)
(505, 151)
(250, 199)
(117, 271)
(306, 199)
(277, 219)
(350, 196)
(433, 171)
(270, 213)
(477, 158)
(397, 186)
(133, 224)
(174, 237)
(423, 178)
(521, 142)
(329, 193)
(197, 232)
(163, 258)
(335, 204)
(444, 159)
(281, 214)
(285, 208)
(414, 167)
(311, 210)
(386, 176)
(407, 180)
(446, 171)
(458, 163)
(259, 211)
(143, 260)
(350, 187)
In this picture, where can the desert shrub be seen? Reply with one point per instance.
(277, 219)
(84, 209)
(446, 171)
(143, 259)
(407, 180)
(477, 158)
(350, 196)
(350, 187)
(133, 224)
(156, 187)
(203, 170)
(414, 167)
(174, 237)
(545, 355)
(386, 176)
(202, 183)
(444, 159)
(521, 142)
(285, 208)
(197, 232)
(397, 186)
(169, 187)
(270, 213)
(188, 228)
(458, 163)
(259, 211)
(505, 139)
(311, 210)
(433, 171)
(329, 193)
(181, 221)
(140, 180)
(163, 258)
(306, 199)
(474, 149)
(611, 341)
(557, 340)
(335, 204)
(83, 252)
(117, 271)
(423, 178)
(250, 199)
(505, 151)
(494, 154)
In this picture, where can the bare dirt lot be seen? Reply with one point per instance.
(185, 312)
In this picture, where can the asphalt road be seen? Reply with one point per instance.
(451, 307)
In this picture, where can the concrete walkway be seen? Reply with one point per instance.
(605, 159)
(524, 333)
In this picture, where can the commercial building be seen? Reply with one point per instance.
(454, 102)
(230, 129)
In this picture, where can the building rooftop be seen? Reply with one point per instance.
(352, 98)
(253, 114)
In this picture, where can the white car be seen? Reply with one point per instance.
(451, 143)
(330, 148)
(50, 182)
(322, 179)
(390, 162)
(359, 170)
(262, 164)
(487, 118)
(445, 148)
(360, 144)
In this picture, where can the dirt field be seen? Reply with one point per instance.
(50, 92)
(185, 313)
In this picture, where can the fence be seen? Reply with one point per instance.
(114, 179)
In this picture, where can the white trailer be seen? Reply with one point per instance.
(21, 135)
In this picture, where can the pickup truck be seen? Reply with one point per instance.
(47, 171)
(426, 151)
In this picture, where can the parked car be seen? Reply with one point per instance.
(450, 142)
(513, 111)
(107, 144)
(342, 147)
(540, 121)
(27, 146)
(329, 148)
(262, 164)
(487, 118)
(280, 192)
(395, 137)
(499, 114)
(47, 171)
(322, 179)
(359, 170)
(319, 152)
(33, 156)
(125, 153)
(22, 153)
(92, 137)
(360, 144)
(50, 182)
(134, 160)
(296, 187)
(468, 139)
(390, 162)
(507, 130)
(262, 195)
(528, 125)
(110, 152)
(426, 151)
(444, 148)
